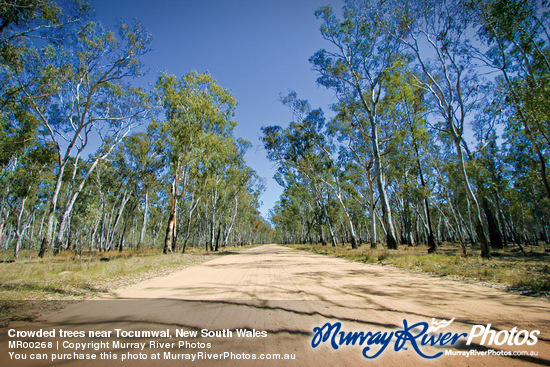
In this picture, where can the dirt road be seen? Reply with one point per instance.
(281, 295)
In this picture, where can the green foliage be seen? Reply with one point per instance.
(413, 91)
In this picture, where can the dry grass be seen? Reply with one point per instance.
(31, 285)
(69, 276)
(506, 269)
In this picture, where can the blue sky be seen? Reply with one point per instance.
(256, 49)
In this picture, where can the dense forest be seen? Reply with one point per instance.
(91, 161)
(440, 132)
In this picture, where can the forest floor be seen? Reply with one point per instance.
(507, 269)
(287, 293)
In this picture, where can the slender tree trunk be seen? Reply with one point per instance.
(70, 240)
(4, 216)
(144, 223)
(309, 226)
(471, 196)
(322, 235)
(495, 234)
(123, 233)
(125, 197)
(46, 241)
(62, 230)
(232, 221)
(407, 223)
(432, 247)
(171, 228)
(213, 203)
(41, 225)
(391, 242)
(69, 207)
(102, 234)
(333, 237)
(217, 246)
(543, 175)
(350, 227)
(93, 235)
(187, 234)
(210, 243)
(458, 232)
(2, 227)
(18, 229)
(373, 234)
(32, 226)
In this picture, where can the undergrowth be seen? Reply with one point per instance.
(508, 269)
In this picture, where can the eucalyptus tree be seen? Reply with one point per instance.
(135, 168)
(358, 67)
(221, 201)
(24, 26)
(292, 214)
(304, 147)
(435, 33)
(24, 22)
(111, 186)
(38, 19)
(412, 149)
(526, 203)
(111, 196)
(238, 180)
(196, 187)
(83, 92)
(357, 160)
(315, 197)
(24, 189)
(311, 211)
(198, 116)
(490, 181)
(145, 165)
(76, 89)
(251, 227)
(514, 40)
(226, 175)
(19, 155)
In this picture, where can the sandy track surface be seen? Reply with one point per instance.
(288, 293)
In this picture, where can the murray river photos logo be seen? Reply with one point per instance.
(417, 336)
